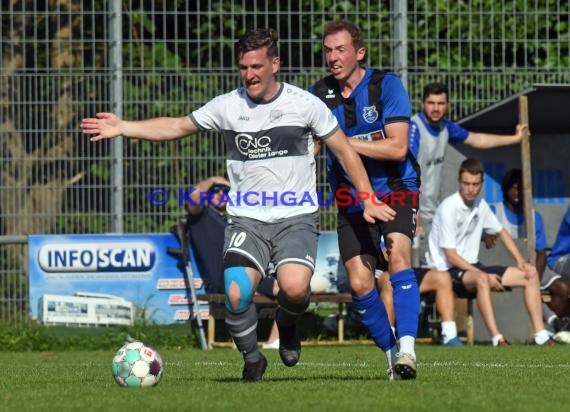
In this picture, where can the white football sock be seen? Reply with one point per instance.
(448, 330)
(541, 337)
(407, 345)
(496, 339)
(391, 355)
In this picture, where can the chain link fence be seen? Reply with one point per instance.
(68, 59)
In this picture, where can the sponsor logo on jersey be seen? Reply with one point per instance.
(370, 114)
(369, 137)
(256, 147)
(435, 161)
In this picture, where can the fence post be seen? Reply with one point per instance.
(116, 93)
(400, 35)
(527, 181)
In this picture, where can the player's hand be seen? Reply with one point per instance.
(495, 283)
(528, 270)
(490, 240)
(373, 212)
(102, 126)
(219, 180)
(317, 145)
(519, 131)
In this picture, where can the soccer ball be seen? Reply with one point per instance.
(137, 365)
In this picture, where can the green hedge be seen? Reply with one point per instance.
(55, 338)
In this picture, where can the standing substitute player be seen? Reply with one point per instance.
(373, 109)
(430, 131)
(267, 126)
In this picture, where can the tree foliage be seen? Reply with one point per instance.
(177, 55)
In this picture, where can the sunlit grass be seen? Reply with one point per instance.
(352, 378)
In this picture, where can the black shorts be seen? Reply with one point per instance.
(420, 274)
(427, 297)
(357, 237)
(457, 278)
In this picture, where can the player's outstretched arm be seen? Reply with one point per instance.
(352, 164)
(488, 140)
(109, 125)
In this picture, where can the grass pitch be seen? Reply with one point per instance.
(350, 378)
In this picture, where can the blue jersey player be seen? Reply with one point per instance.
(373, 109)
(559, 258)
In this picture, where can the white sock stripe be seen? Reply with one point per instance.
(245, 332)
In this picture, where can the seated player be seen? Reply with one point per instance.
(454, 243)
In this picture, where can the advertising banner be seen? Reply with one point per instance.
(92, 280)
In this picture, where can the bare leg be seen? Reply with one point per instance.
(359, 270)
(386, 294)
(478, 281)
(514, 277)
(440, 283)
(559, 297)
(273, 334)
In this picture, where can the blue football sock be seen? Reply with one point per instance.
(406, 302)
(373, 315)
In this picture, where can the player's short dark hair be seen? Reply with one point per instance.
(340, 25)
(512, 177)
(435, 88)
(256, 39)
(472, 166)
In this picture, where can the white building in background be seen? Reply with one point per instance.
(85, 309)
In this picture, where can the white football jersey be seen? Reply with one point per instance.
(269, 149)
(458, 226)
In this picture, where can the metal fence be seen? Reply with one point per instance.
(67, 59)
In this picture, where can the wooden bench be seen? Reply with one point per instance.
(464, 313)
(546, 296)
(341, 299)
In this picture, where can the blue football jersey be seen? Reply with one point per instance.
(378, 100)
(561, 245)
